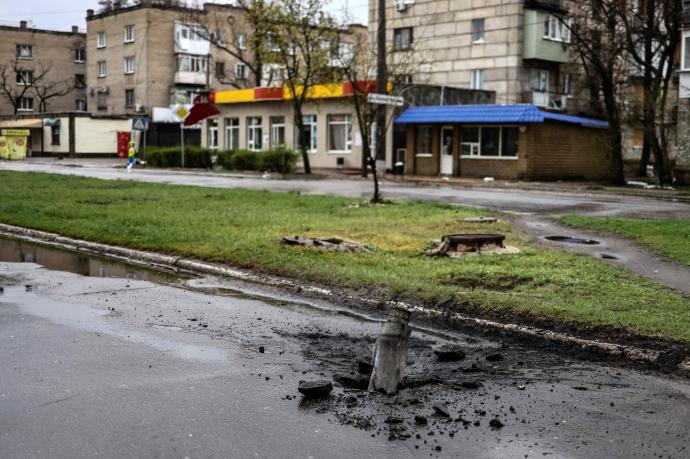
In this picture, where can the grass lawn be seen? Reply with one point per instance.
(244, 228)
(669, 237)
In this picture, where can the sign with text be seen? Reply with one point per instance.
(384, 99)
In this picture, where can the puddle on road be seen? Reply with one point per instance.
(15, 251)
(572, 240)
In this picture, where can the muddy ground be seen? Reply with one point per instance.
(117, 362)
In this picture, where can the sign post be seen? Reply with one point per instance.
(181, 112)
(141, 124)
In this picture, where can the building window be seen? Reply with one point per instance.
(25, 51)
(489, 142)
(101, 69)
(100, 40)
(310, 131)
(685, 61)
(129, 97)
(232, 133)
(25, 77)
(272, 75)
(241, 41)
(80, 105)
(55, 135)
(477, 79)
(102, 101)
(129, 34)
(240, 71)
(189, 63)
(254, 133)
(567, 84)
(402, 38)
(129, 65)
(423, 141)
(213, 134)
(79, 81)
(220, 70)
(478, 30)
(25, 104)
(80, 55)
(539, 80)
(277, 131)
(339, 133)
(557, 28)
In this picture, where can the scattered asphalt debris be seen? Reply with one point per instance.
(420, 420)
(495, 424)
(262, 349)
(315, 389)
(494, 357)
(449, 353)
(580, 388)
(470, 384)
(364, 367)
(441, 409)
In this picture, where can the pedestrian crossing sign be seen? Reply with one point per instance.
(140, 123)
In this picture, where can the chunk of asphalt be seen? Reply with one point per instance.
(494, 357)
(315, 389)
(364, 367)
(449, 353)
(420, 420)
(495, 424)
(470, 384)
(262, 349)
(393, 420)
(441, 409)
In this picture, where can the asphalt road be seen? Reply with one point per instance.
(123, 367)
(511, 200)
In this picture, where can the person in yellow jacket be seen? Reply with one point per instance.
(131, 156)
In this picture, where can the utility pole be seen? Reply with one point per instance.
(381, 88)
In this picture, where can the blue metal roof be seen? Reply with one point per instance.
(495, 114)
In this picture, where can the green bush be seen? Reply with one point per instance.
(194, 157)
(244, 160)
(280, 159)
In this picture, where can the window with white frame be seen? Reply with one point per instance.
(685, 60)
(241, 41)
(190, 63)
(25, 77)
(80, 105)
(277, 131)
(80, 55)
(567, 84)
(101, 69)
(240, 71)
(339, 133)
(539, 80)
(102, 101)
(489, 142)
(477, 79)
(25, 104)
(478, 30)
(402, 38)
(129, 33)
(310, 133)
(129, 97)
(213, 133)
(557, 28)
(423, 141)
(129, 64)
(232, 133)
(254, 133)
(25, 51)
(272, 75)
(100, 40)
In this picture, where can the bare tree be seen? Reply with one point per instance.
(652, 33)
(17, 81)
(599, 39)
(241, 34)
(46, 89)
(300, 44)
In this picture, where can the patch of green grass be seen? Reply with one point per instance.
(669, 237)
(244, 228)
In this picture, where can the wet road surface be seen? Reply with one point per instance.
(522, 201)
(123, 367)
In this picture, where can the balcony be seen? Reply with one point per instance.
(537, 46)
(555, 6)
(195, 78)
(549, 100)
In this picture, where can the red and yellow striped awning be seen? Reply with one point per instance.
(322, 91)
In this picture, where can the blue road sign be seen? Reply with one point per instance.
(140, 123)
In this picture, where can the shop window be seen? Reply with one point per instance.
(339, 133)
(423, 141)
(232, 133)
(55, 135)
(277, 131)
(254, 133)
(489, 142)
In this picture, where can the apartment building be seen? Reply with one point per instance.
(517, 48)
(41, 70)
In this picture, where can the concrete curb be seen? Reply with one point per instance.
(181, 264)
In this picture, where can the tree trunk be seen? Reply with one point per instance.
(644, 158)
(301, 140)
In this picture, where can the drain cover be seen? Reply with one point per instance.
(479, 239)
(572, 240)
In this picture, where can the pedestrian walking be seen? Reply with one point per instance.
(131, 156)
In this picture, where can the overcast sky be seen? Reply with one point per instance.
(62, 15)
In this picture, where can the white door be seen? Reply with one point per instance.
(447, 151)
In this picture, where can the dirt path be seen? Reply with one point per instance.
(615, 250)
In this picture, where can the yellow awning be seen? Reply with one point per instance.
(29, 123)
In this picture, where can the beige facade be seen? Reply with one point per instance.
(338, 143)
(496, 45)
(36, 52)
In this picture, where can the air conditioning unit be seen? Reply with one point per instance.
(138, 108)
(104, 90)
(403, 5)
